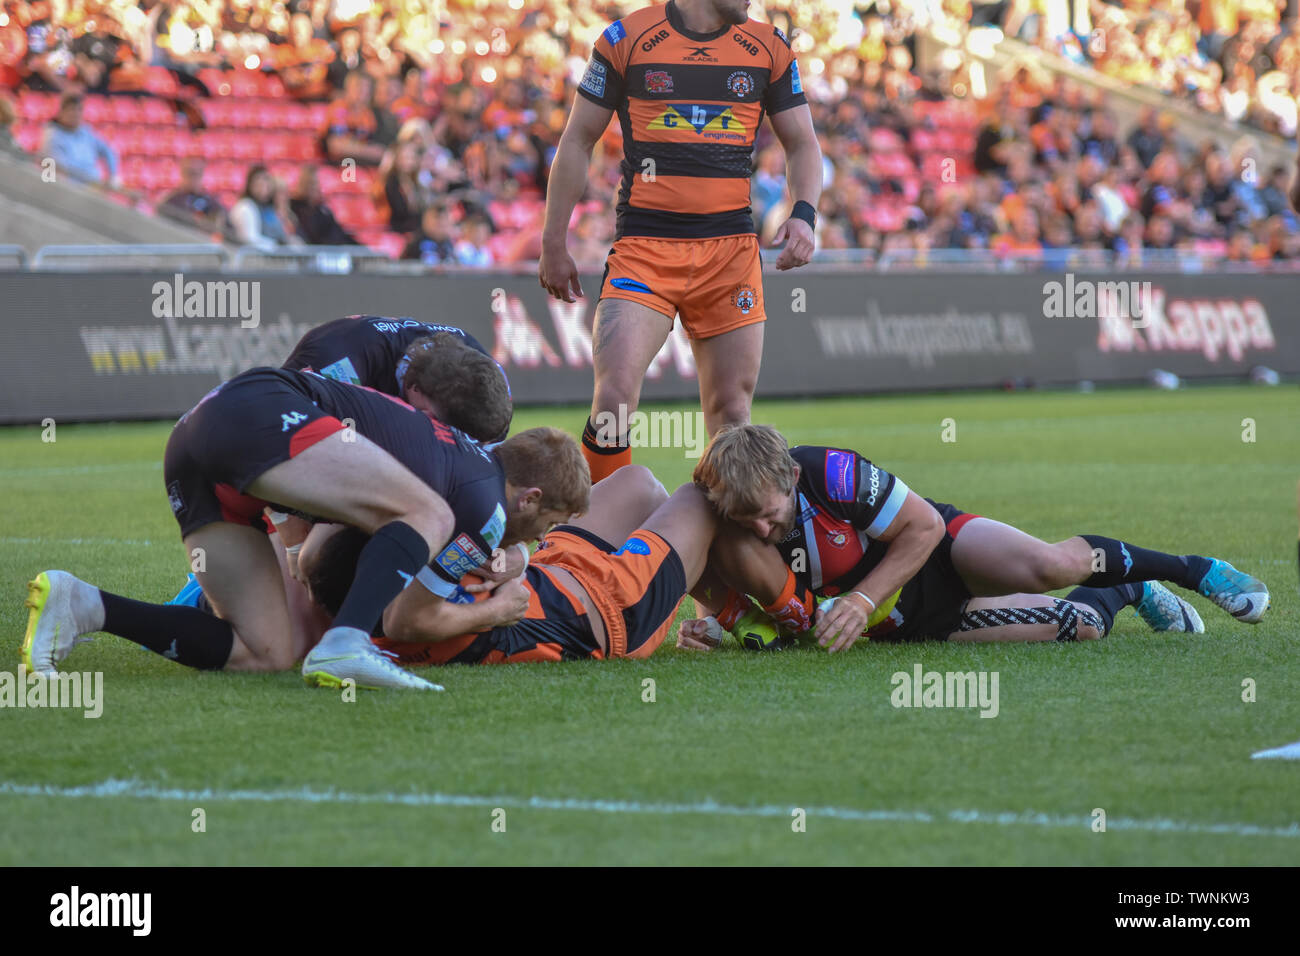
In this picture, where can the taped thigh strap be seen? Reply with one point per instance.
(1063, 614)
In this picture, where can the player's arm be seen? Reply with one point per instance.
(419, 615)
(557, 271)
(882, 507)
(803, 163)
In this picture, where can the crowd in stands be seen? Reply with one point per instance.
(1236, 58)
(297, 122)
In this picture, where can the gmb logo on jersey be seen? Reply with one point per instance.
(714, 120)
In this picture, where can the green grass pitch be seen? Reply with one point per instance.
(1153, 730)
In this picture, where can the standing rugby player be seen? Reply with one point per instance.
(691, 82)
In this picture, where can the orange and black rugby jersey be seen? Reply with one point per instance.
(690, 105)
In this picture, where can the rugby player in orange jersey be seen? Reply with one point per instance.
(606, 584)
(691, 81)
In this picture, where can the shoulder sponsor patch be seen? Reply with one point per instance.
(839, 475)
(796, 85)
(593, 81)
(614, 32)
(495, 527)
(781, 35)
(342, 371)
(460, 557)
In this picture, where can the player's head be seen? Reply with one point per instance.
(730, 11)
(328, 564)
(547, 482)
(749, 477)
(461, 386)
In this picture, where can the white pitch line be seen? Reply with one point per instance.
(131, 789)
(55, 470)
(131, 542)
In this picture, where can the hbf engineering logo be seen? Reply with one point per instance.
(714, 121)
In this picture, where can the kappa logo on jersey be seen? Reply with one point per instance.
(744, 299)
(658, 81)
(461, 557)
(740, 84)
(593, 81)
(839, 475)
(289, 421)
(712, 120)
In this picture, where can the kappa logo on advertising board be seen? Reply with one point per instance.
(1214, 327)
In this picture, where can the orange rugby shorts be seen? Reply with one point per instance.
(715, 285)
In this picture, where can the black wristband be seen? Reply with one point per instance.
(806, 212)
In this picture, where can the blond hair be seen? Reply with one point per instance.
(741, 466)
(551, 460)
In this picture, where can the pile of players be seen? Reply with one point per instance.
(356, 510)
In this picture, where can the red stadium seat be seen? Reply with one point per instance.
(158, 112)
(40, 107)
(160, 82)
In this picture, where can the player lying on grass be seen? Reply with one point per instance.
(827, 522)
(606, 585)
(435, 503)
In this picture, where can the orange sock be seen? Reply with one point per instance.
(790, 609)
(733, 608)
(603, 460)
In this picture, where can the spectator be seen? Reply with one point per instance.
(433, 244)
(8, 145)
(405, 197)
(303, 63)
(1146, 139)
(76, 149)
(351, 126)
(472, 247)
(316, 223)
(258, 218)
(347, 61)
(191, 204)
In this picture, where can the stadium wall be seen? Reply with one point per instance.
(93, 347)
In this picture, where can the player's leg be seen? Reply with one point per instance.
(727, 366)
(621, 503)
(1027, 617)
(237, 567)
(625, 339)
(723, 313)
(345, 477)
(995, 558)
(688, 523)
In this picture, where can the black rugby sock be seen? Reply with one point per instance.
(1118, 562)
(185, 635)
(392, 556)
(1107, 602)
